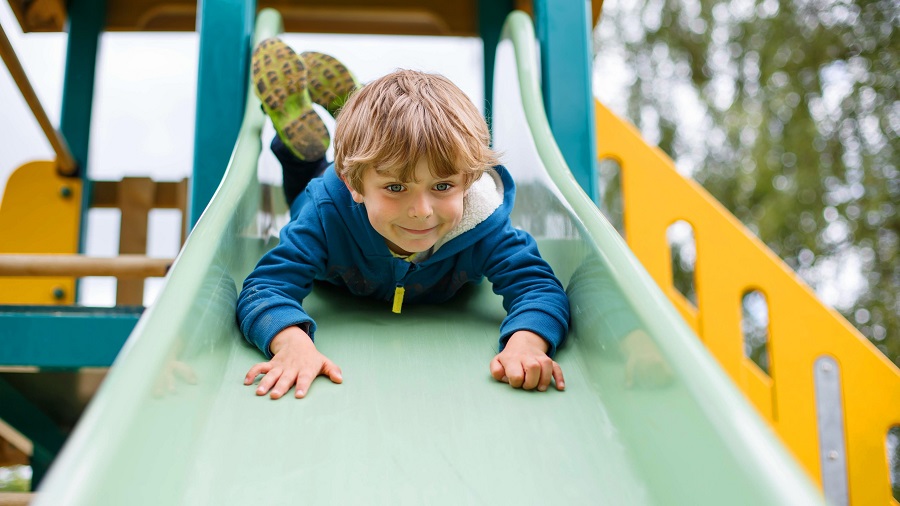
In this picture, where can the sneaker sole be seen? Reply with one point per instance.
(280, 82)
(330, 82)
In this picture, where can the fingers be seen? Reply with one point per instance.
(528, 374)
(256, 370)
(546, 375)
(532, 370)
(268, 381)
(333, 372)
(515, 374)
(276, 380)
(497, 371)
(558, 377)
(284, 384)
(304, 380)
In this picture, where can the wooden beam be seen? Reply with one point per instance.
(167, 195)
(135, 199)
(122, 266)
(15, 448)
(16, 498)
(64, 160)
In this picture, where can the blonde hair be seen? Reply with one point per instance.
(394, 121)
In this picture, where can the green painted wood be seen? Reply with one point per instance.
(491, 15)
(226, 29)
(418, 419)
(85, 24)
(63, 337)
(564, 29)
(34, 424)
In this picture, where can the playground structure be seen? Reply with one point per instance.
(829, 396)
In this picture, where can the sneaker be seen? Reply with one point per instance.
(280, 82)
(330, 82)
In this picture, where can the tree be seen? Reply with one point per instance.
(788, 113)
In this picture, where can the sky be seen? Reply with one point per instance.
(143, 117)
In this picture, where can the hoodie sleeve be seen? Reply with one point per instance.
(271, 298)
(533, 297)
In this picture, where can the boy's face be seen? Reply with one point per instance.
(412, 216)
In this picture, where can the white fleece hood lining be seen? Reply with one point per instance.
(481, 200)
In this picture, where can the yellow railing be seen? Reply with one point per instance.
(817, 360)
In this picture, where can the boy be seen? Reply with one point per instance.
(414, 207)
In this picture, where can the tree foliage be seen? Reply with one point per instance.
(787, 111)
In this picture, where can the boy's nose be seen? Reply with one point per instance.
(420, 207)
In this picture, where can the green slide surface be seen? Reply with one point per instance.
(419, 420)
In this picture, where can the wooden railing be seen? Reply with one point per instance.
(40, 223)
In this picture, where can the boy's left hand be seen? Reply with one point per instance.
(524, 363)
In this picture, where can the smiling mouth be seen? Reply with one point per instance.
(418, 232)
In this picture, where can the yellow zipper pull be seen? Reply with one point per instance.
(398, 298)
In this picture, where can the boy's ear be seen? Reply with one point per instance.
(357, 197)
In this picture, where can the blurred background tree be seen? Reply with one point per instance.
(787, 111)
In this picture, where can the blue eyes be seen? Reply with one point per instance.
(397, 188)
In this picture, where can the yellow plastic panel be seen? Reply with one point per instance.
(40, 213)
(730, 262)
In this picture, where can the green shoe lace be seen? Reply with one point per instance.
(280, 82)
(330, 82)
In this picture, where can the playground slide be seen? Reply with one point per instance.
(647, 417)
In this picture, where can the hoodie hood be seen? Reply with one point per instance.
(486, 206)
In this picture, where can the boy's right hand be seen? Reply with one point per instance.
(295, 360)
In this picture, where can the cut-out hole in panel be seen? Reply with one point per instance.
(612, 204)
(755, 328)
(893, 454)
(683, 252)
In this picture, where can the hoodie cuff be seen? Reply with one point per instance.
(547, 327)
(273, 321)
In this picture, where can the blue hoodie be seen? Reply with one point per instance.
(331, 239)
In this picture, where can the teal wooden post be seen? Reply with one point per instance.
(491, 15)
(226, 30)
(86, 21)
(564, 30)
(33, 424)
